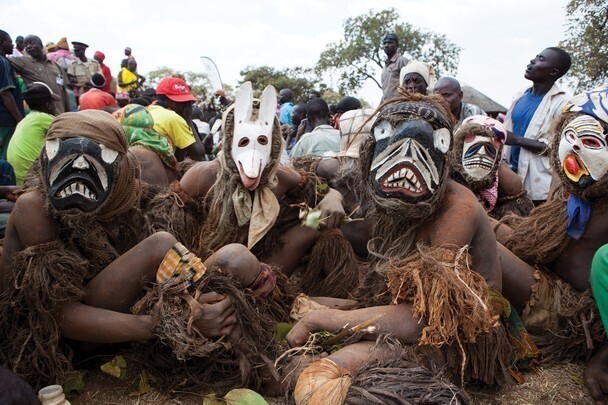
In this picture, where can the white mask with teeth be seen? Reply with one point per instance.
(252, 139)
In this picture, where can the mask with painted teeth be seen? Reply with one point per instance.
(79, 173)
(479, 155)
(409, 158)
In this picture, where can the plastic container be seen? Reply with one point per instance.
(52, 395)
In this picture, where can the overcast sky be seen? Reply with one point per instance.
(497, 38)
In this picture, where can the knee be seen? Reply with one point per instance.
(157, 245)
(238, 261)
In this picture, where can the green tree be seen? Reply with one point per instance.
(299, 80)
(587, 42)
(198, 82)
(357, 57)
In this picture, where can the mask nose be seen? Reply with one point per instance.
(80, 163)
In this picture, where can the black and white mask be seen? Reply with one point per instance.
(79, 173)
(409, 158)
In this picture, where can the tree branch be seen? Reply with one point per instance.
(361, 71)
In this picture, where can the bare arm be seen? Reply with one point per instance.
(509, 182)
(396, 319)
(90, 324)
(530, 144)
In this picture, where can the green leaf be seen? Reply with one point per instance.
(117, 367)
(74, 383)
(140, 386)
(244, 396)
(313, 219)
(281, 330)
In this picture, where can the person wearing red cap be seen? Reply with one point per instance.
(110, 85)
(171, 116)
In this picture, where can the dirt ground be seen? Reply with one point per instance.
(561, 384)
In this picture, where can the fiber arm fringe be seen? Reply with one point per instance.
(42, 277)
(444, 291)
(242, 363)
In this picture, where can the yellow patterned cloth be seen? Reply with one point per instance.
(180, 266)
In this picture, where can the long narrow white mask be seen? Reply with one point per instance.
(252, 140)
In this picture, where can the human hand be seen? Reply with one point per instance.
(301, 129)
(596, 376)
(332, 210)
(215, 316)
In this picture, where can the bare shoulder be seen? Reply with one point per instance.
(327, 168)
(458, 197)
(197, 181)
(458, 218)
(30, 220)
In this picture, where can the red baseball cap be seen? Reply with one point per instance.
(175, 89)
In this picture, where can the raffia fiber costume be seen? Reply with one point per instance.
(565, 322)
(46, 275)
(389, 380)
(466, 321)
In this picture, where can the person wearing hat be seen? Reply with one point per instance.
(62, 54)
(128, 53)
(81, 69)
(110, 85)
(95, 98)
(36, 67)
(394, 62)
(28, 139)
(171, 115)
(417, 76)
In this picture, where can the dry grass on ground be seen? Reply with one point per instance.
(561, 384)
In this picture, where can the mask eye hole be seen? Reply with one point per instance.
(383, 130)
(262, 140)
(570, 135)
(591, 142)
(442, 139)
(243, 142)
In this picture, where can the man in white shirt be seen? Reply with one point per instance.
(324, 140)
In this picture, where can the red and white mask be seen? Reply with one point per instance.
(583, 151)
(252, 140)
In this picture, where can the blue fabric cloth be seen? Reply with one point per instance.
(8, 81)
(285, 113)
(579, 211)
(522, 114)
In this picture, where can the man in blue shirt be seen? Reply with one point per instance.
(285, 100)
(529, 121)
